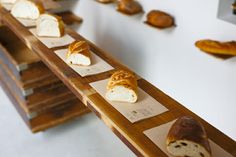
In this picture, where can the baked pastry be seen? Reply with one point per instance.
(122, 87)
(105, 1)
(48, 25)
(187, 137)
(8, 1)
(216, 47)
(129, 7)
(160, 19)
(79, 53)
(27, 9)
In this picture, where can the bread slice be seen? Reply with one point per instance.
(216, 47)
(122, 87)
(27, 9)
(79, 53)
(187, 138)
(8, 1)
(129, 7)
(48, 25)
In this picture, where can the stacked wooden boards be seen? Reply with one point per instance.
(130, 133)
(40, 97)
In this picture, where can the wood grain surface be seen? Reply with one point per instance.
(131, 134)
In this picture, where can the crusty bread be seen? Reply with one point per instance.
(160, 19)
(79, 53)
(27, 9)
(105, 1)
(129, 7)
(186, 138)
(8, 1)
(48, 25)
(216, 47)
(122, 87)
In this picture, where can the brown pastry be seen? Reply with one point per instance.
(105, 1)
(216, 47)
(129, 7)
(79, 53)
(122, 87)
(187, 137)
(160, 19)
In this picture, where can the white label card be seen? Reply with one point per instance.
(98, 64)
(54, 42)
(27, 22)
(158, 136)
(145, 107)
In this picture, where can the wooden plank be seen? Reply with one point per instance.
(52, 117)
(131, 134)
(41, 100)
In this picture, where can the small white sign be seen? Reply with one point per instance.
(54, 42)
(145, 107)
(98, 64)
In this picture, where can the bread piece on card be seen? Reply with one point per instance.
(216, 47)
(8, 1)
(129, 7)
(160, 19)
(187, 137)
(79, 53)
(122, 87)
(27, 9)
(48, 25)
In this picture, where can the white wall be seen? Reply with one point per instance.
(168, 58)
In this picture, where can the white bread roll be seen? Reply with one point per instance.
(187, 138)
(8, 1)
(27, 9)
(78, 53)
(122, 87)
(48, 25)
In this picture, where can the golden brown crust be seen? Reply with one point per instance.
(105, 1)
(216, 47)
(40, 7)
(160, 19)
(123, 78)
(234, 6)
(187, 128)
(129, 7)
(81, 47)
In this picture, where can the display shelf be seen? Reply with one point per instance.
(130, 133)
(53, 117)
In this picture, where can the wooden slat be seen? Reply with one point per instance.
(131, 134)
(52, 117)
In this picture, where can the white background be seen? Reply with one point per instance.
(167, 58)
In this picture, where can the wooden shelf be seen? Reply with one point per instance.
(131, 134)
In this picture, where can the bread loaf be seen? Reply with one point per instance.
(8, 1)
(160, 19)
(78, 53)
(105, 1)
(187, 138)
(129, 7)
(216, 47)
(27, 9)
(48, 25)
(122, 87)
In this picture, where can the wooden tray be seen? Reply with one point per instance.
(41, 100)
(131, 134)
(52, 117)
